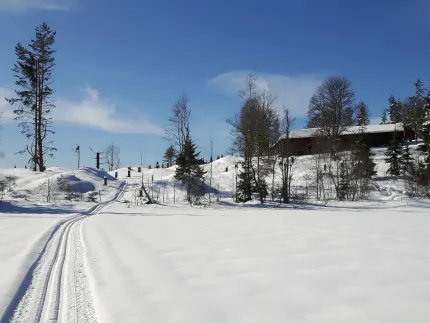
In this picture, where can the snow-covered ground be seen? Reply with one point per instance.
(27, 221)
(246, 264)
(63, 261)
(22, 237)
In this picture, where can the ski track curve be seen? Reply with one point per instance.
(56, 287)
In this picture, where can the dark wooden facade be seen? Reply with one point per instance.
(307, 145)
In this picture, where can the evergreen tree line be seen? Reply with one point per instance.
(413, 112)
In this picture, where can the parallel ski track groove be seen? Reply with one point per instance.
(66, 227)
(64, 235)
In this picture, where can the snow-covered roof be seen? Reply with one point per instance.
(313, 132)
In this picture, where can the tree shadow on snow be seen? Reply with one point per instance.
(366, 205)
(9, 207)
(154, 214)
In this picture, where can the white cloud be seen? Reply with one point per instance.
(22, 5)
(292, 91)
(5, 111)
(95, 112)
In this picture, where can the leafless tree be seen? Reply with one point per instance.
(254, 130)
(178, 128)
(286, 156)
(111, 155)
(331, 109)
(250, 89)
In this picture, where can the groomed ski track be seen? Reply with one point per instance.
(56, 287)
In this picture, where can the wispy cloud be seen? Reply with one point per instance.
(292, 91)
(22, 5)
(94, 112)
(5, 111)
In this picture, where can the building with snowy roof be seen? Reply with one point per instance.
(309, 141)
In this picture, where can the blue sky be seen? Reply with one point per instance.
(122, 64)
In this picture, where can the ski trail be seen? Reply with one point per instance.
(56, 288)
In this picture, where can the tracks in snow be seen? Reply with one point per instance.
(56, 287)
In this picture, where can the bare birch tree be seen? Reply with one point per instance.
(178, 128)
(254, 130)
(112, 156)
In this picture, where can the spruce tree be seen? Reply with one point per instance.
(362, 115)
(424, 169)
(363, 165)
(416, 108)
(384, 118)
(157, 165)
(395, 110)
(33, 72)
(189, 171)
(169, 155)
(245, 186)
(393, 154)
(406, 161)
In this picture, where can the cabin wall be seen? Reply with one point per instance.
(313, 145)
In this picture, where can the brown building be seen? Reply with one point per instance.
(308, 141)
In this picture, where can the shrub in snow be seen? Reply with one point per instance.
(92, 197)
(3, 187)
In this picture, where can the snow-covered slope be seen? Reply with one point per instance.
(164, 187)
(57, 182)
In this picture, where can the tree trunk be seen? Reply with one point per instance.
(40, 119)
(36, 123)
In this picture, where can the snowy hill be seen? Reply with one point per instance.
(56, 184)
(164, 188)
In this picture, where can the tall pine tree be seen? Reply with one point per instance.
(33, 73)
(362, 115)
(395, 110)
(189, 172)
